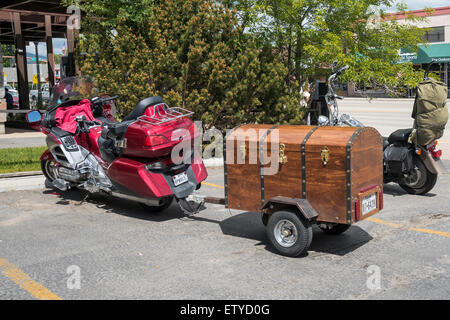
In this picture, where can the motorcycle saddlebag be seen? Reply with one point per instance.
(399, 159)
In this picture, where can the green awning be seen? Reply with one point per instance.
(438, 52)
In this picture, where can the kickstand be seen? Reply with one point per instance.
(86, 197)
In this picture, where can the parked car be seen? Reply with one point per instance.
(11, 89)
(45, 92)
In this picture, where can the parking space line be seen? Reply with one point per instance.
(213, 185)
(395, 225)
(440, 233)
(372, 219)
(36, 289)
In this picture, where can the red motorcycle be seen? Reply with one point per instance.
(148, 157)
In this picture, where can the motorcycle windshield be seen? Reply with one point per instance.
(72, 89)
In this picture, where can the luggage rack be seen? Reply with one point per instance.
(170, 114)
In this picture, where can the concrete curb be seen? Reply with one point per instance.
(20, 174)
(213, 162)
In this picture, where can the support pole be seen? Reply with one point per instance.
(38, 72)
(70, 53)
(21, 63)
(2, 94)
(50, 56)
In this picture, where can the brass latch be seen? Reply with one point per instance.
(282, 157)
(325, 153)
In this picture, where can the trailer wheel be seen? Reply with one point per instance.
(288, 233)
(335, 229)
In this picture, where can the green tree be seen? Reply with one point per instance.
(311, 34)
(191, 52)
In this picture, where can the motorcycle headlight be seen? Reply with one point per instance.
(323, 121)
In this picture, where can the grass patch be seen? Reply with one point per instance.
(20, 159)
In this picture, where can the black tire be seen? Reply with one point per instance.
(154, 209)
(334, 229)
(46, 170)
(299, 239)
(424, 184)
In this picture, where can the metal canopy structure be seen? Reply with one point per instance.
(25, 21)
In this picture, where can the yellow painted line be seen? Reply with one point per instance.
(36, 289)
(440, 233)
(213, 185)
(395, 225)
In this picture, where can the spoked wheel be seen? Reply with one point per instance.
(166, 202)
(48, 167)
(288, 233)
(419, 181)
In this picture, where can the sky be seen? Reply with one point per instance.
(59, 44)
(420, 4)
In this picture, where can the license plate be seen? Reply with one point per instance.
(180, 179)
(369, 203)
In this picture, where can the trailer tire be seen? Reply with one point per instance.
(290, 234)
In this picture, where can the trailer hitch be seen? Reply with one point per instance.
(192, 204)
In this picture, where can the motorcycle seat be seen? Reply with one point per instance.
(142, 106)
(400, 135)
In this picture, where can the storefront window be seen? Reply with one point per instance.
(436, 34)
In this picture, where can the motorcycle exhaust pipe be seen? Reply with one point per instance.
(148, 201)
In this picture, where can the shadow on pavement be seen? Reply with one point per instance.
(115, 205)
(249, 225)
(395, 190)
(246, 225)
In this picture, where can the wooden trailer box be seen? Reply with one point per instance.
(334, 173)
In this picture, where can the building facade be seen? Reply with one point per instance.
(435, 55)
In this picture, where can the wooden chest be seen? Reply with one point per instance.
(331, 167)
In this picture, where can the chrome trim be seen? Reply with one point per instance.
(171, 114)
(147, 201)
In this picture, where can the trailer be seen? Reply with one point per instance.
(296, 176)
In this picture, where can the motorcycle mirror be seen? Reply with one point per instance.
(334, 64)
(34, 116)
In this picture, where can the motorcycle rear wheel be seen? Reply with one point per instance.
(420, 180)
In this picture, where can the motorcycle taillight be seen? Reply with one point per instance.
(435, 152)
(155, 140)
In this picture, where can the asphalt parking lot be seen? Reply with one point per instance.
(49, 240)
(117, 250)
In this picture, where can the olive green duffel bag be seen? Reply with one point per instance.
(430, 112)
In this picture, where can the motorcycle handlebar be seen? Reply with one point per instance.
(103, 100)
(339, 72)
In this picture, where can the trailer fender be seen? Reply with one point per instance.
(302, 206)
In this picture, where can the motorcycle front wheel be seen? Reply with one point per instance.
(419, 181)
(49, 169)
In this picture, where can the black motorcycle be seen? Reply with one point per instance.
(414, 167)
